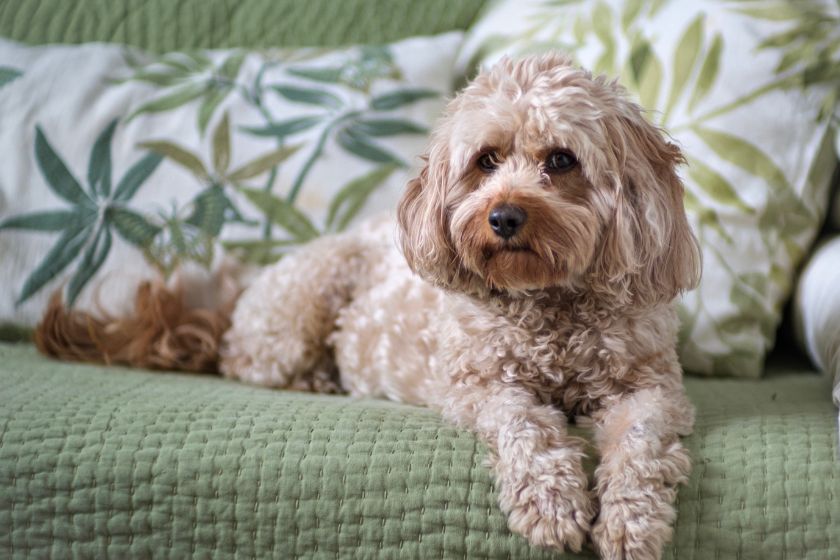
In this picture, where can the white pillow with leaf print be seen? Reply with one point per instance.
(117, 164)
(745, 88)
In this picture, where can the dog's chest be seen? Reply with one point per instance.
(566, 355)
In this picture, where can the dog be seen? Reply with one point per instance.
(528, 281)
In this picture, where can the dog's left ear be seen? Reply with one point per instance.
(649, 237)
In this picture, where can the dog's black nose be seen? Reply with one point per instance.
(506, 220)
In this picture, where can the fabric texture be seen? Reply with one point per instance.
(120, 164)
(711, 74)
(161, 26)
(98, 461)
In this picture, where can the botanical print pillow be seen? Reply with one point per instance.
(748, 89)
(117, 163)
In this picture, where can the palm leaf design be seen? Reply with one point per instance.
(359, 72)
(190, 232)
(328, 91)
(354, 131)
(184, 77)
(95, 209)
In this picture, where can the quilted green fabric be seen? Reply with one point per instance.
(113, 462)
(165, 25)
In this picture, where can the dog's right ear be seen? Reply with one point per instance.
(423, 224)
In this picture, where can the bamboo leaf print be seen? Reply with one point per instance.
(656, 6)
(261, 251)
(282, 214)
(186, 63)
(50, 220)
(221, 146)
(285, 128)
(705, 215)
(358, 144)
(630, 12)
(714, 185)
(352, 197)
(133, 227)
(85, 226)
(263, 163)
(65, 250)
(176, 98)
(8, 74)
(602, 25)
(91, 262)
(162, 78)
(326, 75)
(208, 213)
(179, 155)
(229, 69)
(777, 11)
(136, 176)
(708, 72)
(99, 166)
(387, 127)
(400, 98)
(685, 57)
(309, 96)
(58, 177)
(646, 72)
(745, 155)
(212, 99)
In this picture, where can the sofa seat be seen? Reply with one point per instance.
(112, 462)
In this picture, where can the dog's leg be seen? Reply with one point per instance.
(542, 486)
(281, 324)
(642, 461)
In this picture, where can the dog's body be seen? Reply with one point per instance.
(548, 239)
(348, 314)
(537, 256)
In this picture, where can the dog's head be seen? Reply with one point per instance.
(540, 175)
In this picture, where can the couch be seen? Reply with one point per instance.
(99, 461)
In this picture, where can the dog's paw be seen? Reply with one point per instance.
(553, 510)
(553, 520)
(632, 529)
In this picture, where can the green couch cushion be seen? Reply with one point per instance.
(165, 25)
(99, 461)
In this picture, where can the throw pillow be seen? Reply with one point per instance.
(117, 164)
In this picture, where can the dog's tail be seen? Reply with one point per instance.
(164, 331)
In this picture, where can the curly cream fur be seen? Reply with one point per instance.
(571, 317)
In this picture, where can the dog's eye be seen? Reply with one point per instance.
(487, 162)
(559, 161)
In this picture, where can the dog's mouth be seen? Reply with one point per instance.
(490, 252)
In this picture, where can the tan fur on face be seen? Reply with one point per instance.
(555, 244)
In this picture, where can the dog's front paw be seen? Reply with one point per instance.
(629, 529)
(549, 503)
(553, 519)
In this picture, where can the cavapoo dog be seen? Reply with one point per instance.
(537, 255)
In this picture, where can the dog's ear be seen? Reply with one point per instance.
(421, 215)
(649, 236)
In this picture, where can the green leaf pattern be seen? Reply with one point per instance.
(86, 226)
(347, 106)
